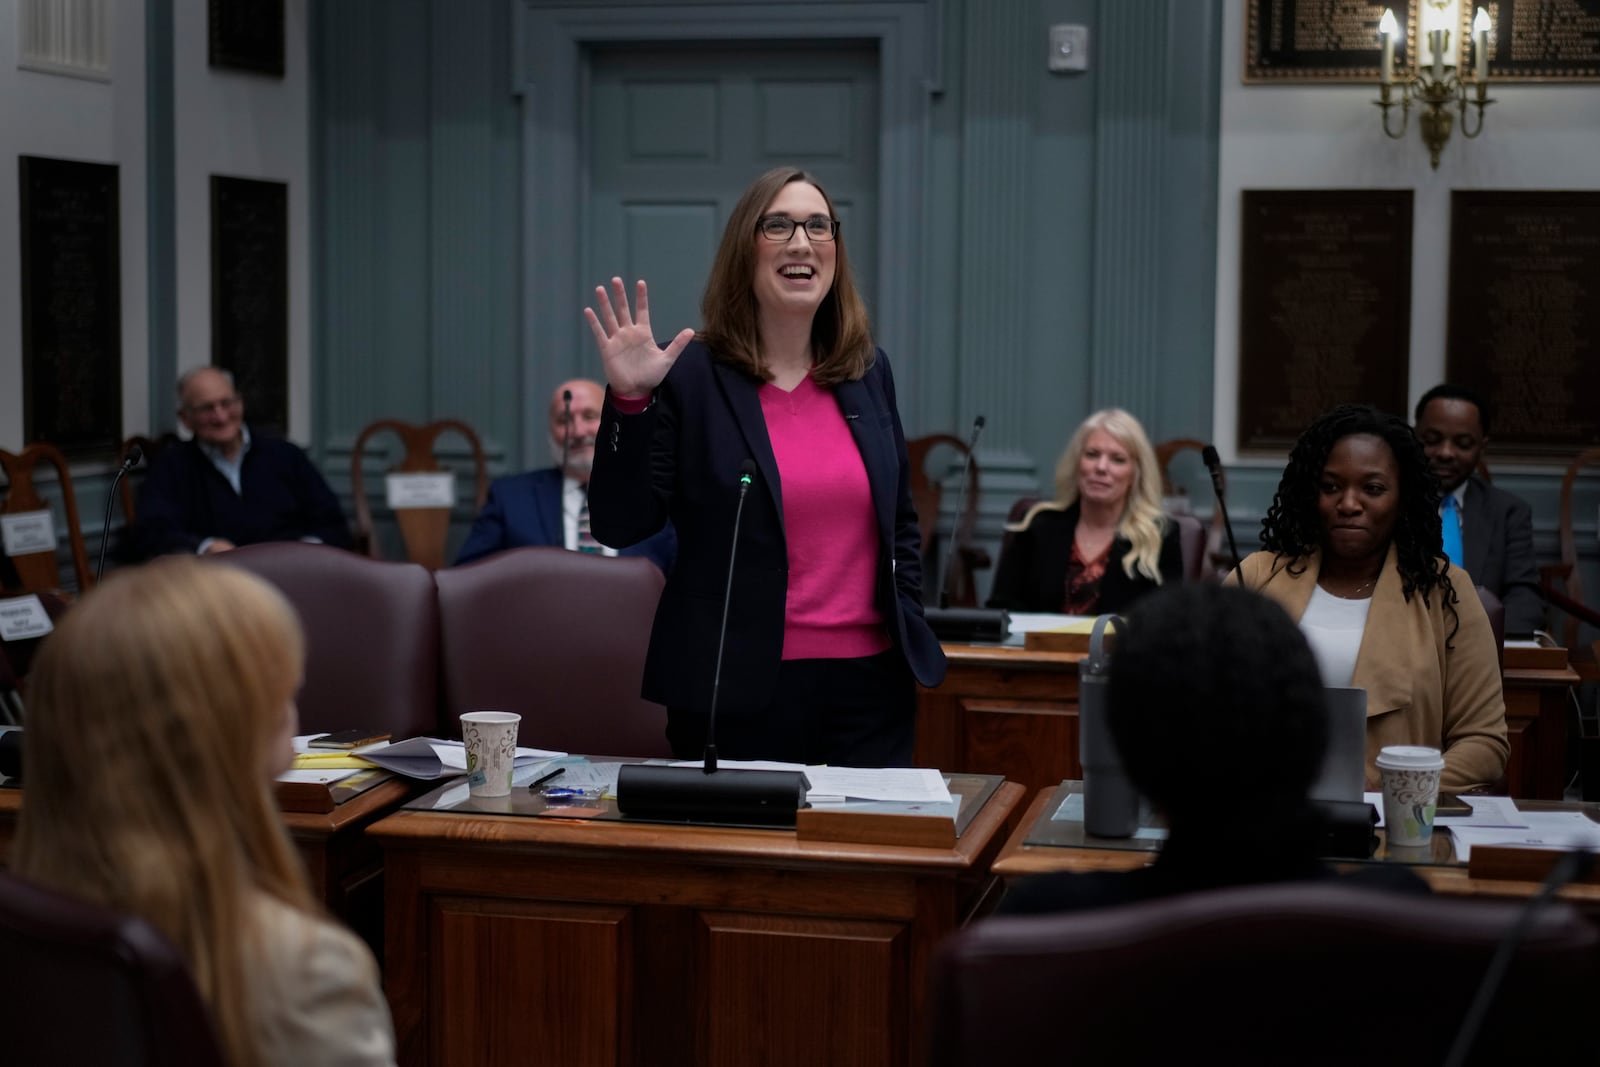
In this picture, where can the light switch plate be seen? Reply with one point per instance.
(1069, 47)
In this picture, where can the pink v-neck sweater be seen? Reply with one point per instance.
(829, 526)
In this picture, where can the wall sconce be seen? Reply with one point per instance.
(1435, 85)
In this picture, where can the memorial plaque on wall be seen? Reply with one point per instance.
(1311, 41)
(1325, 307)
(250, 293)
(71, 304)
(246, 35)
(1544, 40)
(1524, 322)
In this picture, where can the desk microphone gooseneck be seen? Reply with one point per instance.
(706, 793)
(964, 624)
(135, 454)
(1213, 462)
(566, 428)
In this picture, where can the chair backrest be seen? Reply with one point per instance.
(926, 495)
(1568, 569)
(423, 530)
(17, 654)
(38, 571)
(512, 641)
(128, 488)
(372, 635)
(1302, 973)
(85, 985)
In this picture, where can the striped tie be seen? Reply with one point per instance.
(586, 541)
(1450, 529)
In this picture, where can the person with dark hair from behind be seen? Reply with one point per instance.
(1217, 711)
(1487, 532)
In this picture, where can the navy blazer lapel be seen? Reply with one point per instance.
(1475, 528)
(862, 413)
(743, 394)
(547, 503)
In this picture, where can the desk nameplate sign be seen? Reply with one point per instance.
(23, 617)
(426, 490)
(27, 532)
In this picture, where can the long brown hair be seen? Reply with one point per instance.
(152, 714)
(841, 336)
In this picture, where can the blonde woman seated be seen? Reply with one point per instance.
(159, 712)
(1102, 543)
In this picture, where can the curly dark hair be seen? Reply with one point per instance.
(1293, 528)
(1210, 676)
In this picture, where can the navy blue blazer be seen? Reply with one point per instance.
(680, 460)
(525, 509)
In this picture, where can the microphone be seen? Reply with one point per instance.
(706, 794)
(135, 454)
(964, 624)
(1213, 462)
(566, 428)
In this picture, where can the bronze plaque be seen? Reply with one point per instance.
(246, 35)
(1322, 40)
(1524, 322)
(1543, 40)
(1325, 307)
(250, 294)
(71, 304)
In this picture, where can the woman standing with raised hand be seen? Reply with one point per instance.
(825, 634)
(151, 747)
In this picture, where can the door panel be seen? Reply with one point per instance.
(674, 138)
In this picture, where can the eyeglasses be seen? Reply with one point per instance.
(225, 404)
(782, 227)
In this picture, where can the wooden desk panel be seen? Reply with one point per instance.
(1012, 712)
(1019, 859)
(539, 940)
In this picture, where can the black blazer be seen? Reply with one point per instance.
(1497, 550)
(680, 460)
(1032, 574)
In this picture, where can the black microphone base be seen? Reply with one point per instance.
(11, 754)
(1347, 829)
(689, 794)
(965, 625)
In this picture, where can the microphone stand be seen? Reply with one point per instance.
(964, 625)
(705, 793)
(1213, 462)
(135, 454)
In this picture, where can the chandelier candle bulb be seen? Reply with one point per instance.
(1480, 54)
(1387, 28)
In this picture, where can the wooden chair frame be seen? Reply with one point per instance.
(423, 530)
(1567, 571)
(926, 495)
(38, 571)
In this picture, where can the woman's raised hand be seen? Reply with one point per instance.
(634, 363)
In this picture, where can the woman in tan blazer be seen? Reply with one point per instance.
(159, 712)
(1353, 553)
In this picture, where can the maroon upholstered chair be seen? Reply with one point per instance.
(82, 984)
(372, 635)
(558, 637)
(1263, 974)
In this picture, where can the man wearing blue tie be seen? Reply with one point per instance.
(1488, 532)
(551, 506)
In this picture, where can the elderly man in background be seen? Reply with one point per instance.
(550, 506)
(228, 486)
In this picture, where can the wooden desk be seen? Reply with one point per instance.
(1012, 712)
(516, 940)
(1018, 859)
(345, 867)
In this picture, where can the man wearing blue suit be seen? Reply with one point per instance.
(550, 506)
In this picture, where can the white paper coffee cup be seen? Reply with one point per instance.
(491, 742)
(1410, 792)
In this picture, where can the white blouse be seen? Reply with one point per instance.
(1333, 626)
